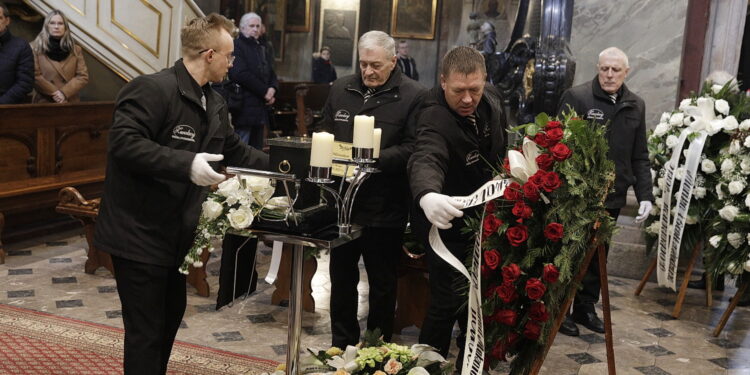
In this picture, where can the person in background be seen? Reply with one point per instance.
(16, 64)
(607, 101)
(406, 63)
(460, 134)
(488, 44)
(60, 70)
(382, 206)
(266, 42)
(257, 81)
(169, 131)
(322, 69)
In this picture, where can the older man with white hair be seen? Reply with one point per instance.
(606, 100)
(382, 204)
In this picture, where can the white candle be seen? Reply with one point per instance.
(376, 142)
(321, 152)
(363, 128)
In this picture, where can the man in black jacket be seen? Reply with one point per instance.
(607, 101)
(257, 79)
(16, 64)
(166, 129)
(382, 203)
(460, 137)
(405, 62)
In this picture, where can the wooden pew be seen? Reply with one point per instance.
(298, 105)
(44, 148)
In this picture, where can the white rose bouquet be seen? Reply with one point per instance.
(234, 205)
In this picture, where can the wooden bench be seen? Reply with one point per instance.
(44, 148)
(298, 106)
(72, 203)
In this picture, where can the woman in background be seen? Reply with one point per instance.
(59, 69)
(322, 69)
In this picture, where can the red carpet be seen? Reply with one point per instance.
(37, 343)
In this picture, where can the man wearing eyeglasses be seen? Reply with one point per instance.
(257, 81)
(607, 101)
(169, 131)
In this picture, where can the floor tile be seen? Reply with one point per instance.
(107, 289)
(64, 280)
(61, 260)
(592, 338)
(652, 370)
(656, 350)
(659, 332)
(228, 336)
(17, 253)
(20, 271)
(583, 358)
(724, 343)
(20, 293)
(113, 314)
(69, 303)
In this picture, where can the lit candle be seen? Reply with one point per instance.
(376, 142)
(321, 152)
(363, 130)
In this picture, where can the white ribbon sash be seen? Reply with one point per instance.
(273, 269)
(474, 346)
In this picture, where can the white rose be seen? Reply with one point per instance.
(197, 264)
(716, 88)
(418, 371)
(747, 201)
(661, 182)
(730, 123)
(656, 191)
(715, 126)
(736, 187)
(747, 266)
(745, 125)
(734, 268)
(714, 240)
(727, 167)
(729, 212)
(229, 187)
(240, 218)
(734, 147)
(699, 124)
(665, 117)
(653, 228)
(708, 166)
(211, 209)
(747, 141)
(661, 129)
(690, 219)
(679, 173)
(256, 183)
(699, 192)
(722, 106)
(685, 103)
(735, 239)
(676, 119)
(671, 141)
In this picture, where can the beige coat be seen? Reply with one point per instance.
(68, 76)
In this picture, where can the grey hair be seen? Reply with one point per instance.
(372, 39)
(245, 20)
(615, 52)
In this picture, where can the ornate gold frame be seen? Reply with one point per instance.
(394, 23)
(298, 28)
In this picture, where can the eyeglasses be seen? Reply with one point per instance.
(230, 58)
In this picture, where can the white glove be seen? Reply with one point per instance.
(440, 209)
(643, 211)
(201, 172)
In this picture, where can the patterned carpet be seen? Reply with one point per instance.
(37, 343)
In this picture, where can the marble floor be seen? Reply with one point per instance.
(46, 274)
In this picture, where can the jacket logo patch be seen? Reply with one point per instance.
(472, 157)
(183, 133)
(341, 115)
(595, 114)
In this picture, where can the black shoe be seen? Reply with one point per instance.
(590, 321)
(568, 327)
(701, 283)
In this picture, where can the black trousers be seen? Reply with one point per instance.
(153, 303)
(448, 302)
(588, 296)
(380, 249)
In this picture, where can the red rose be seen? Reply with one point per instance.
(541, 139)
(538, 178)
(553, 125)
(517, 235)
(511, 273)
(492, 258)
(535, 288)
(498, 352)
(544, 161)
(512, 338)
(506, 317)
(513, 192)
(550, 273)
(490, 207)
(532, 330)
(506, 164)
(486, 273)
(507, 292)
(490, 225)
(553, 232)
(538, 312)
(560, 151)
(550, 182)
(522, 210)
(554, 135)
(531, 191)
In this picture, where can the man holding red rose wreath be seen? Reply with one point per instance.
(607, 101)
(460, 132)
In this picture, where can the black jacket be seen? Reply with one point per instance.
(411, 68)
(450, 157)
(383, 200)
(16, 69)
(323, 71)
(150, 208)
(626, 136)
(252, 71)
